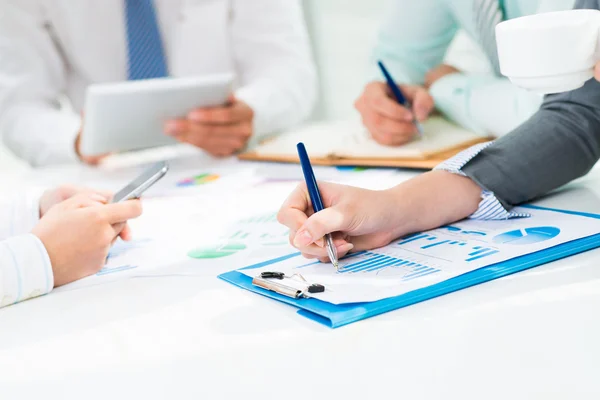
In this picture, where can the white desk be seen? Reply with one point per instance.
(534, 335)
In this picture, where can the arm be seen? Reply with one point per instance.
(32, 76)
(25, 269)
(484, 104)
(561, 142)
(272, 53)
(414, 38)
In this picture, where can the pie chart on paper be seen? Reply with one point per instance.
(528, 235)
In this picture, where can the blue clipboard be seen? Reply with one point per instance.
(334, 316)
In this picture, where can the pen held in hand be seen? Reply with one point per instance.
(398, 95)
(315, 198)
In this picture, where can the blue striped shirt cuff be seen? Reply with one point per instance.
(490, 207)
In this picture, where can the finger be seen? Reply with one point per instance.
(342, 252)
(319, 224)
(215, 145)
(314, 251)
(388, 139)
(391, 131)
(68, 191)
(423, 105)
(380, 101)
(218, 147)
(107, 194)
(295, 209)
(83, 200)
(122, 212)
(126, 233)
(422, 102)
(94, 160)
(176, 127)
(232, 114)
(241, 130)
(597, 72)
(119, 228)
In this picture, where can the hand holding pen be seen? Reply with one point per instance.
(358, 219)
(390, 117)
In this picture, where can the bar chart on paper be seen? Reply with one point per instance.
(381, 265)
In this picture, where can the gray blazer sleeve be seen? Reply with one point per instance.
(559, 143)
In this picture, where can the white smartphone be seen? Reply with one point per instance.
(142, 183)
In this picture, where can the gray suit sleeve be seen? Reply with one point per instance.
(561, 142)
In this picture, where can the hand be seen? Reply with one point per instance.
(221, 131)
(388, 122)
(597, 71)
(90, 160)
(438, 73)
(78, 233)
(53, 197)
(365, 219)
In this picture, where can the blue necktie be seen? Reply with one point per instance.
(146, 55)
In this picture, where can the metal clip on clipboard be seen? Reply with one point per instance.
(268, 281)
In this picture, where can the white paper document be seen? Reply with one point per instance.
(427, 258)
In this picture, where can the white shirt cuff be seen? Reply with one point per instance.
(25, 269)
(490, 207)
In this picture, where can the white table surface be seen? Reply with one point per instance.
(533, 335)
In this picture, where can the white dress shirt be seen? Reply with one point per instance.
(54, 47)
(25, 269)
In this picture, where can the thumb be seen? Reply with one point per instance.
(318, 225)
(421, 101)
(423, 104)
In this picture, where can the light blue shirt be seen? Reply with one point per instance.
(414, 39)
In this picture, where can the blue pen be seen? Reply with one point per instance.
(400, 98)
(315, 198)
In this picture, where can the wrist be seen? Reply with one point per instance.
(434, 199)
(402, 220)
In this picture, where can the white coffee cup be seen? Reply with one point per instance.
(552, 52)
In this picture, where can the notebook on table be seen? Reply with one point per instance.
(349, 143)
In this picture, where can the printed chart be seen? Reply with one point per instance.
(198, 180)
(381, 265)
(118, 259)
(422, 259)
(257, 231)
(528, 235)
(218, 251)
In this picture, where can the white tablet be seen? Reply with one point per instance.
(131, 115)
